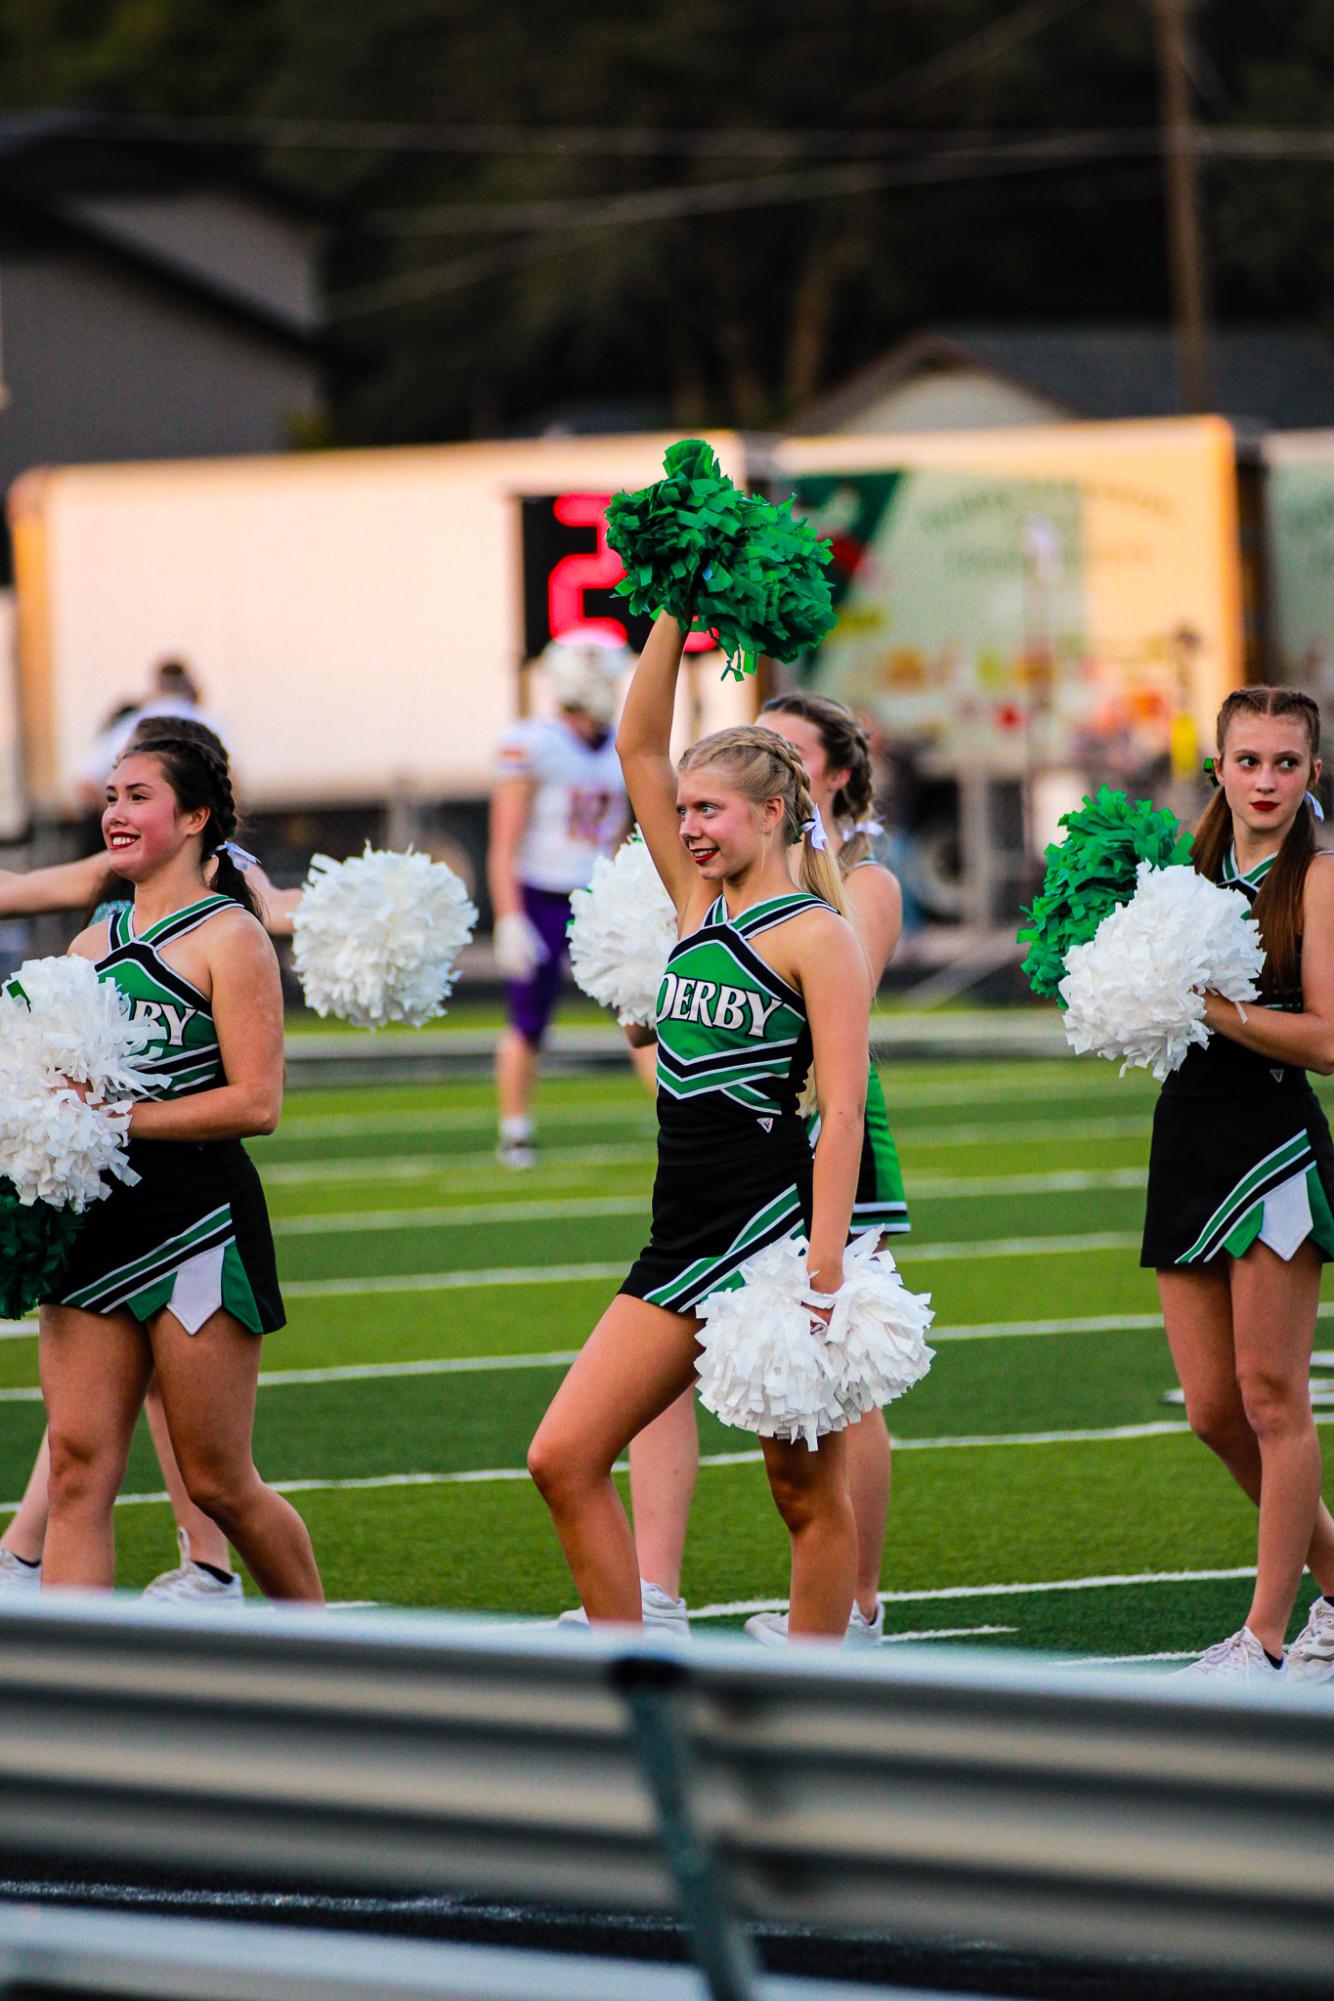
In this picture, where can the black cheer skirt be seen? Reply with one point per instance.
(728, 1183)
(192, 1234)
(1228, 1168)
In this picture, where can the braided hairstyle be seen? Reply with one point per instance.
(847, 748)
(1278, 907)
(197, 769)
(148, 728)
(760, 765)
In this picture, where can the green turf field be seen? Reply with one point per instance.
(1044, 1495)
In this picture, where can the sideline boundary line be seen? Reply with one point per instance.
(503, 1475)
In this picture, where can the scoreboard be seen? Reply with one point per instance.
(570, 571)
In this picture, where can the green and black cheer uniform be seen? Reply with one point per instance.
(1241, 1149)
(192, 1233)
(881, 1203)
(734, 1159)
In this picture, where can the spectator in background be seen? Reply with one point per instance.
(173, 691)
(559, 803)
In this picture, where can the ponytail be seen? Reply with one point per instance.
(819, 873)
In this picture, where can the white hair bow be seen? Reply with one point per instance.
(815, 828)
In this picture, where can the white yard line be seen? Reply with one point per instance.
(902, 1095)
(480, 1161)
(1122, 1660)
(981, 1330)
(475, 1169)
(450, 1281)
(354, 1286)
(1063, 1181)
(563, 1357)
(435, 1167)
(942, 1633)
(464, 1216)
(499, 1475)
(945, 1594)
(1029, 1132)
(479, 1214)
(458, 1118)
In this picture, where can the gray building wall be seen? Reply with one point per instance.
(227, 239)
(102, 362)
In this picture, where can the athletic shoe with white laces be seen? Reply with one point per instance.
(1310, 1658)
(663, 1616)
(16, 1575)
(770, 1628)
(1240, 1655)
(191, 1584)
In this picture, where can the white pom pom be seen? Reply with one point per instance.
(878, 1329)
(375, 938)
(772, 1367)
(1135, 991)
(62, 1027)
(622, 928)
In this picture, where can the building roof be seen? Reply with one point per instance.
(57, 167)
(1266, 378)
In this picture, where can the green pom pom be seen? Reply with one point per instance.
(36, 1242)
(722, 561)
(1091, 872)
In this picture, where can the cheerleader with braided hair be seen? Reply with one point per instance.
(175, 1273)
(763, 979)
(836, 756)
(204, 1575)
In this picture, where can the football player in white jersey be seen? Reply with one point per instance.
(559, 803)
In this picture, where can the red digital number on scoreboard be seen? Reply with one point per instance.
(575, 576)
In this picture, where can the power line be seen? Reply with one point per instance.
(621, 211)
(970, 54)
(756, 191)
(758, 143)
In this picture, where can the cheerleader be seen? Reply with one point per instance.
(175, 1274)
(204, 1574)
(763, 978)
(664, 1458)
(1241, 1180)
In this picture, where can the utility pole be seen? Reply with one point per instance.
(1181, 192)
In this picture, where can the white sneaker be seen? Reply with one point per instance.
(770, 1628)
(662, 1615)
(191, 1584)
(1240, 1655)
(16, 1575)
(1310, 1658)
(517, 1153)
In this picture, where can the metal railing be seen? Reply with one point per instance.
(1103, 1817)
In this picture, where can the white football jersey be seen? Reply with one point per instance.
(579, 805)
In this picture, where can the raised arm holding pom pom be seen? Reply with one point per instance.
(762, 978)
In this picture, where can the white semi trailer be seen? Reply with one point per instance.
(357, 621)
